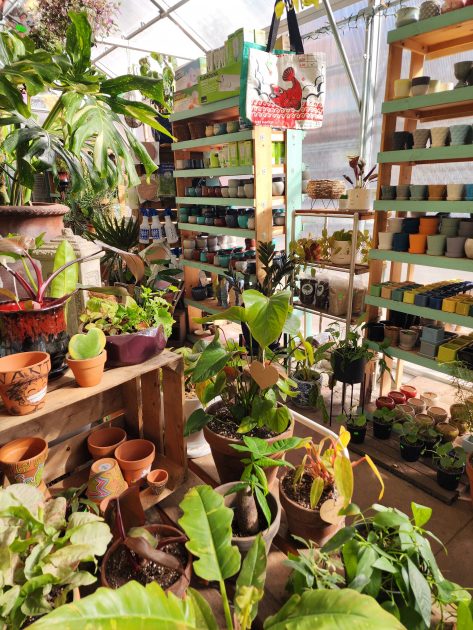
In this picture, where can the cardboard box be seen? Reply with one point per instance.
(245, 153)
(233, 159)
(188, 75)
(220, 84)
(236, 41)
(186, 99)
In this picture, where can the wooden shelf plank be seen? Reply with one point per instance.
(220, 271)
(215, 229)
(241, 202)
(215, 172)
(448, 104)
(438, 36)
(441, 262)
(385, 205)
(421, 311)
(226, 108)
(209, 305)
(461, 153)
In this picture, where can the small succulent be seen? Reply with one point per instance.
(87, 346)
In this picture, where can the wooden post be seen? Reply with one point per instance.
(173, 395)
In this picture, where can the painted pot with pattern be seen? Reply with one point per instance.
(23, 460)
(429, 9)
(307, 391)
(105, 480)
(24, 381)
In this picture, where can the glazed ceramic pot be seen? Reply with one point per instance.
(398, 397)
(395, 224)
(385, 240)
(449, 226)
(409, 392)
(438, 414)
(402, 140)
(455, 247)
(406, 15)
(465, 228)
(421, 137)
(429, 225)
(435, 86)
(24, 381)
(199, 293)
(430, 398)
(403, 412)
(135, 458)
(360, 198)
(460, 134)
(469, 248)
(429, 9)
(402, 191)
(400, 242)
(420, 89)
(134, 348)
(305, 389)
(23, 460)
(459, 411)
(407, 339)
(88, 372)
(424, 420)
(440, 136)
(402, 88)
(105, 480)
(437, 192)
(341, 253)
(417, 243)
(418, 191)
(417, 403)
(103, 442)
(388, 192)
(157, 480)
(385, 402)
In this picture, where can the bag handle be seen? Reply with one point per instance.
(293, 27)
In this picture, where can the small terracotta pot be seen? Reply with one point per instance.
(88, 372)
(157, 480)
(103, 442)
(24, 381)
(424, 420)
(398, 397)
(23, 460)
(105, 480)
(135, 458)
(409, 391)
(430, 398)
(418, 404)
(429, 225)
(438, 414)
(385, 401)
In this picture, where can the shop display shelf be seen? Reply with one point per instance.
(224, 138)
(363, 215)
(220, 271)
(420, 311)
(215, 229)
(241, 202)
(208, 306)
(385, 205)
(323, 264)
(441, 262)
(225, 109)
(430, 107)
(318, 311)
(438, 36)
(412, 357)
(460, 153)
(215, 172)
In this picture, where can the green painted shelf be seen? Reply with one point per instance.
(441, 262)
(278, 202)
(214, 229)
(459, 153)
(215, 172)
(220, 271)
(206, 110)
(423, 206)
(448, 104)
(421, 311)
(208, 306)
(413, 357)
(213, 141)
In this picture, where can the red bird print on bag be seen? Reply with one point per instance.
(290, 98)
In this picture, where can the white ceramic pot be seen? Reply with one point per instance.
(385, 240)
(278, 189)
(359, 198)
(197, 445)
(469, 247)
(341, 253)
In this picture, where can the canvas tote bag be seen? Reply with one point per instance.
(284, 89)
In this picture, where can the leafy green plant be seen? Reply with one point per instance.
(349, 345)
(88, 345)
(449, 457)
(409, 432)
(328, 243)
(352, 420)
(43, 553)
(306, 355)
(384, 416)
(312, 568)
(387, 555)
(87, 205)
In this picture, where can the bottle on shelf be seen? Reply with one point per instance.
(144, 227)
(169, 227)
(157, 233)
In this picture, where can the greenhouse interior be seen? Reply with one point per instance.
(236, 314)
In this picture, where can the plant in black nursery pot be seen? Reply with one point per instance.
(356, 426)
(410, 441)
(383, 423)
(450, 461)
(350, 356)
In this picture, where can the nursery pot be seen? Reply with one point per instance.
(135, 458)
(23, 460)
(24, 381)
(382, 430)
(304, 522)
(228, 461)
(178, 588)
(33, 220)
(449, 479)
(103, 442)
(358, 434)
(305, 388)
(347, 371)
(244, 543)
(44, 330)
(410, 452)
(88, 372)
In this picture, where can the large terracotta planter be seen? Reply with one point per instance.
(24, 381)
(23, 460)
(228, 461)
(33, 220)
(179, 587)
(44, 330)
(135, 458)
(244, 543)
(103, 442)
(88, 372)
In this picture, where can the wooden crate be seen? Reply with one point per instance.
(146, 399)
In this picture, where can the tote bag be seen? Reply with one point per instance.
(284, 89)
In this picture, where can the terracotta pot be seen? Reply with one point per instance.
(418, 404)
(228, 461)
(438, 414)
(178, 588)
(385, 401)
(430, 398)
(469, 472)
(448, 431)
(32, 220)
(44, 330)
(105, 480)
(404, 411)
(24, 381)
(23, 460)
(417, 243)
(135, 458)
(429, 225)
(304, 522)
(157, 480)
(103, 442)
(398, 397)
(424, 420)
(88, 372)
(409, 391)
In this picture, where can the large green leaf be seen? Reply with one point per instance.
(128, 608)
(208, 525)
(266, 316)
(421, 589)
(332, 610)
(211, 361)
(250, 583)
(79, 41)
(66, 281)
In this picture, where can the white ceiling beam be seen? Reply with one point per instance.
(186, 29)
(124, 44)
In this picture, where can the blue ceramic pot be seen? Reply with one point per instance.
(400, 242)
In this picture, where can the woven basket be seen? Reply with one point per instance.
(325, 188)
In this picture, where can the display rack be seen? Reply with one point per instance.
(436, 37)
(262, 170)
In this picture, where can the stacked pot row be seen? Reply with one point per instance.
(403, 88)
(432, 192)
(428, 9)
(243, 218)
(451, 296)
(455, 135)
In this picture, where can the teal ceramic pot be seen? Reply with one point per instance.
(243, 221)
(203, 256)
(200, 220)
(224, 260)
(436, 244)
(418, 191)
(460, 134)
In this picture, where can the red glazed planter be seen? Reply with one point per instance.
(408, 391)
(398, 397)
(385, 401)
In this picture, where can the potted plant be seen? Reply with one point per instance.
(383, 420)
(87, 357)
(314, 493)
(248, 385)
(306, 354)
(82, 145)
(46, 555)
(359, 197)
(356, 426)
(430, 437)
(410, 441)
(450, 461)
(349, 356)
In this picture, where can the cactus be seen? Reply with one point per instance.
(87, 346)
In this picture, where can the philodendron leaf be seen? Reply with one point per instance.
(250, 583)
(266, 316)
(129, 607)
(88, 345)
(328, 609)
(66, 281)
(344, 478)
(207, 523)
(421, 514)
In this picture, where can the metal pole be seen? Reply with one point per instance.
(343, 54)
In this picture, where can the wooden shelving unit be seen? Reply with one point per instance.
(439, 36)
(263, 202)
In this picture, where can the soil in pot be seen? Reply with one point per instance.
(382, 430)
(358, 434)
(448, 479)
(410, 452)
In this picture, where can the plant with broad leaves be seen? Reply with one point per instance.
(43, 553)
(312, 568)
(358, 165)
(449, 457)
(387, 555)
(355, 420)
(87, 346)
(384, 416)
(409, 432)
(348, 344)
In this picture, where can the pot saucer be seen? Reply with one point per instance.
(454, 198)
(435, 199)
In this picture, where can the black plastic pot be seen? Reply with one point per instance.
(375, 331)
(449, 479)
(358, 434)
(410, 452)
(381, 430)
(350, 372)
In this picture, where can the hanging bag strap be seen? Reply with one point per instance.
(293, 28)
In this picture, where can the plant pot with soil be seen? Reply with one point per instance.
(349, 355)
(24, 381)
(87, 357)
(383, 419)
(410, 440)
(356, 426)
(450, 461)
